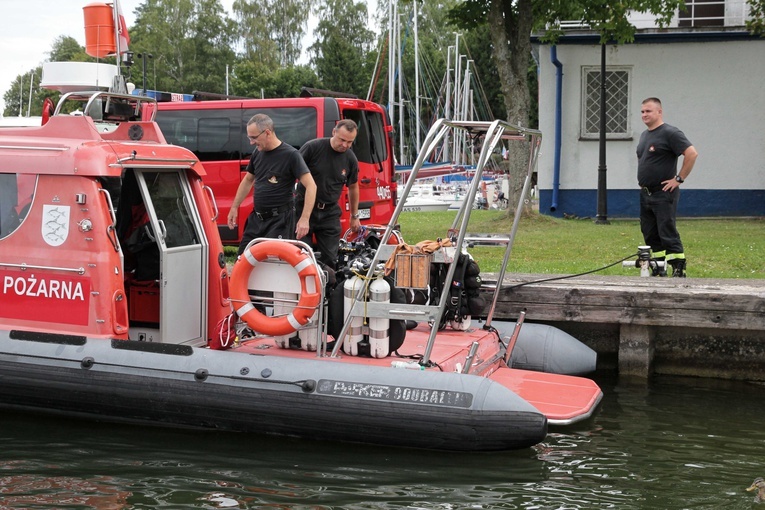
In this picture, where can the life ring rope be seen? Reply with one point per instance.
(300, 258)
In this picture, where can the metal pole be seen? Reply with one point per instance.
(143, 57)
(416, 80)
(602, 216)
(31, 83)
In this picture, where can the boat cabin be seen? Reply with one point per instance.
(105, 229)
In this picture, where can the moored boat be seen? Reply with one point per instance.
(116, 303)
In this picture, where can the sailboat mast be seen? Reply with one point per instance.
(391, 65)
(401, 138)
(416, 80)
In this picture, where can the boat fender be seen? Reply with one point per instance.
(310, 287)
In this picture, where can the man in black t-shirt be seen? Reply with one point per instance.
(333, 165)
(272, 171)
(658, 150)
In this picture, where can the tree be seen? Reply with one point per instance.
(757, 11)
(255, 79)
(190, 42)
(64, 49)
(343, 42)
(271, 30)
(511, 24)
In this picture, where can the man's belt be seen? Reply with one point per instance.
(649, 190)
(264, 214)
(324, 205)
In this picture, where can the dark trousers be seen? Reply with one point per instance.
(324, 233)
(280, 226)
(658, 211)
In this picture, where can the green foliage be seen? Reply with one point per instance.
(342, 44)
(67, 49)
(254, 79)
(190, 42)
(609, 19)
(756, 25)
(722, 248)
(272, 30)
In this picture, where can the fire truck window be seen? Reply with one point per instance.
(294, 126)
(212, 135)
(369, 146)
(16, 193)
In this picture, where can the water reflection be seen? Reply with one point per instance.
(675, 444)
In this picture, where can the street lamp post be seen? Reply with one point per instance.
(143, 57)
(602, 216)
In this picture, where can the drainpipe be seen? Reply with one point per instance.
(558, 107)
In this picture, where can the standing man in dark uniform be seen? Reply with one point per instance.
(658, 150)
(333, 165)
(272, 170)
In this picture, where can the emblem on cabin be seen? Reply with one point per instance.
(55, 224)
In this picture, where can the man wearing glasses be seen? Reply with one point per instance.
(272, 171)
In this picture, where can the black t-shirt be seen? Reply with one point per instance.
(331, 170)
(657, 152)
(275, 173)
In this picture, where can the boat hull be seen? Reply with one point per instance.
(316, 399)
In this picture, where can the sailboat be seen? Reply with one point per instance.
(454, 98)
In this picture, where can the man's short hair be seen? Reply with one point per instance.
(652, 100)
(263, 122)
(348, 124)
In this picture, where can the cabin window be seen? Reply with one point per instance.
(618, 112)
(16, 194)
(171, 207)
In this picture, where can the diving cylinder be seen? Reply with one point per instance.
(379, 327)
(284, 303)
(309, 335)
(462, 325)
(356, 330)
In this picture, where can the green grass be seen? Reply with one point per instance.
(715, 248)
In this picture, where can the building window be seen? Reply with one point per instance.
(702, 13)
(617, 102)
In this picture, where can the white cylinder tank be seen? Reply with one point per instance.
(355, 334)
(379, 327)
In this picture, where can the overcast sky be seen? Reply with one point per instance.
(29, 27)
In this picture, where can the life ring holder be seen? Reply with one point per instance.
(299, 256)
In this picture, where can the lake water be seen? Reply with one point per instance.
(674, 444)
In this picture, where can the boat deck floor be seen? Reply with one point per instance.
(449, 353)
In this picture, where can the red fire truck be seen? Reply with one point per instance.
(215, 131)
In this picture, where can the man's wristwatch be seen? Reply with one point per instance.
(679, 179)
(355, 216)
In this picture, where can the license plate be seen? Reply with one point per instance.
(365, 214)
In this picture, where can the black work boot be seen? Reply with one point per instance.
(678, 268)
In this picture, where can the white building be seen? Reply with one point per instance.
(708, 72)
